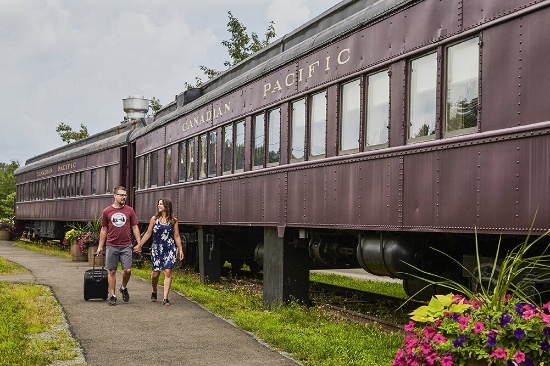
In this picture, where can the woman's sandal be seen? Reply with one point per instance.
(166, 302)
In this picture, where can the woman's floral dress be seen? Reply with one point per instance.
(163, 250)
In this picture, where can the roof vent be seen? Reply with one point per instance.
(135, 106)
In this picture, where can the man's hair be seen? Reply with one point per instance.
(119, 188)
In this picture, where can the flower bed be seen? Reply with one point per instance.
(451, 330)
(497, 323)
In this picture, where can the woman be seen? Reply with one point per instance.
(164, 228)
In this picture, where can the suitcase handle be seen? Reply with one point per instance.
(93, 266)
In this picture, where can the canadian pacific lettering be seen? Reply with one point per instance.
(61, 168)
(209, 116)
(291, 78)
(286, 82)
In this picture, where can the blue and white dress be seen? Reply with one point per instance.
(163, 250)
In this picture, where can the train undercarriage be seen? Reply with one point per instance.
(411, 257)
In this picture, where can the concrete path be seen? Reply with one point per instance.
(139, 332)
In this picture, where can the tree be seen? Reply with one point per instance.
(67, 134)
(240, 46)
(154, 105)
(7, 188)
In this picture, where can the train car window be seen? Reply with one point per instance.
(190, 159)
(350, 119)
(377, 110)
(423, 98)
(146, 171)
(212, 153)
(81, 183)
(108, 180)
(65, 185)
(227, 151)
(298, 130)
(31, 191)
(203, 151)
(239, 146)
(318, 125)
(258, 148)
(140, 172)
(182, 160)
(70, 185)
(77, 184)
(461, 92)
(93, 181)
(154, 168)
(274, 137)
(167, 165)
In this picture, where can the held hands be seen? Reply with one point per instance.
(137, 248)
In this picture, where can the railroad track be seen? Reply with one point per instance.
(353, 305)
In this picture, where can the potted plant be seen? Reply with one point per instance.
(6, 228)
(72, 238)
(498, 324)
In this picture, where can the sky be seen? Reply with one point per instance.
(74, 61)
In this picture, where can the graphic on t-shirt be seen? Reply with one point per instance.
(118, 219)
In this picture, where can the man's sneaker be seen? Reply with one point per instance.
(153, 296)
(125, 295)
(112, 300)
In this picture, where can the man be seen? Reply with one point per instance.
(118, 222)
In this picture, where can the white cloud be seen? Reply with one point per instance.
(74, 61)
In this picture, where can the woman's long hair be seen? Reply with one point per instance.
(168, 209)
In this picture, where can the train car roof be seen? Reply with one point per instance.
(320, 31)
(104, 140)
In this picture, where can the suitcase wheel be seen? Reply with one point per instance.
(86, 298)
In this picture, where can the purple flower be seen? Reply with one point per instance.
(528, 362)
(546, 331)
(545, 346)
(519, 333)
(458, 343)
(492, 341)
(505, 318)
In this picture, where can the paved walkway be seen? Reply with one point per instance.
(139, 332)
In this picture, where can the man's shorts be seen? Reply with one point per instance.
(115, 254)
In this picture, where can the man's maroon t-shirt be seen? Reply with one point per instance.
(121, 220)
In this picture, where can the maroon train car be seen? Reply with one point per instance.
(73, 183)
(365, 137)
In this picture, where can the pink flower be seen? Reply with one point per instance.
(447, 360)
(463, 320)
(429, 332)
(439, 338)
(546, 306)
(528, 314)
(545, 318)
(478, 327)
(499, 353)
(409, 327)
(519, 357)
(425, 348)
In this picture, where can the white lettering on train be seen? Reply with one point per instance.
(292, 78)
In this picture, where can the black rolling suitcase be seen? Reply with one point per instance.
(95, 283)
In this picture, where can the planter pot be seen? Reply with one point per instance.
(99, 260)
(4, 235)
(77, 255)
